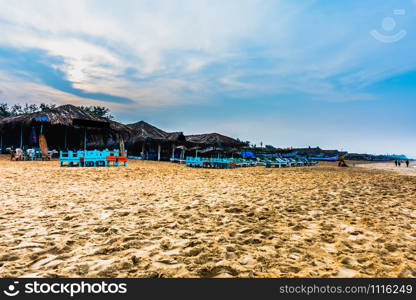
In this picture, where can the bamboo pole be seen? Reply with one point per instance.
(85, 139)
(143, 149)
(65, 141)
(21, 137)
(173, 151)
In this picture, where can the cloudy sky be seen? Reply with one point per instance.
(289, 73)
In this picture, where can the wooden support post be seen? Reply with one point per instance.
(21, 137)
(65, 141)
(158, 152)
(85, 139)
(143, 148)
(173, 151)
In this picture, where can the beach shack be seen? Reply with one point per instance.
(153, 143)
(212, 142)
(65, 127)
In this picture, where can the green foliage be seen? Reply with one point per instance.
(246, 143)
(100, 111)
(46, 107)
(4, 110)
(17, 109)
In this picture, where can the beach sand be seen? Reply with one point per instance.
(390, 166)
(163, 220)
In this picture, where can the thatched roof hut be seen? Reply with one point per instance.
(152, 142)
(64, 127)
(175, 136)
(62, 115)
(144, 132)
(213, 139)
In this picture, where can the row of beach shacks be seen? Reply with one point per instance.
(68, 127)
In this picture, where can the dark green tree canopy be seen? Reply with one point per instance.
(17, 109)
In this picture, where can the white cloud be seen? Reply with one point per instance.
(171, 44)
(20, 91)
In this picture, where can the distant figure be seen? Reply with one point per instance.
(342, 162)
(407, 163)
(396, 163)
(399, 162)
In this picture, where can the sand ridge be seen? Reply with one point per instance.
(163, 220)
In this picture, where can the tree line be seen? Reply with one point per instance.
(7, 110)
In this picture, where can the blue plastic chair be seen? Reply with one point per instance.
(70, 157)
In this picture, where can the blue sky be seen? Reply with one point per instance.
(334, 74)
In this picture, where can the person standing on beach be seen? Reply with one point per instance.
(399, 162)
(407, 163)
(395, 162)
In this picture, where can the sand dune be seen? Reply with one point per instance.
(163, 220)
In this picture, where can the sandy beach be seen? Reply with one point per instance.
(163, 220)
(389, 166)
